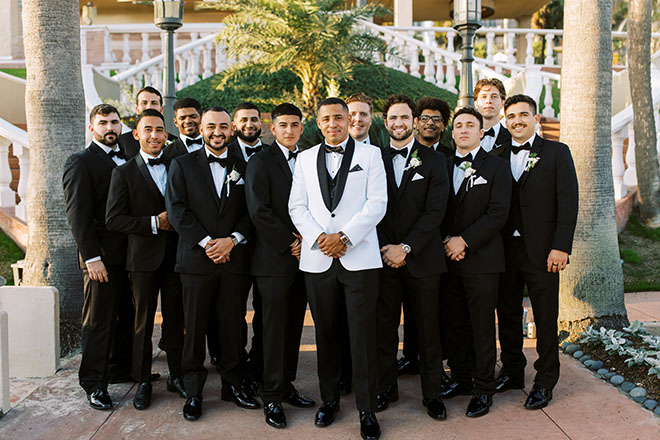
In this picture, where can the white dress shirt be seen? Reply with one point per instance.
(285, 152)
(488, 142)
(192, 147)
(366, 140)
(399, 162)
(333, 160)
(243, 145)
(159, 176)
(459, 173)
(519, 161)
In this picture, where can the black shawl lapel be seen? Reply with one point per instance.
(144, 170)
(536, 149)
(102, 155)
(477, 161)
(322, 174)
(389, 173)
(407, 174)
(235, 161)
(281, 161)
(205, 170)
(342, 175)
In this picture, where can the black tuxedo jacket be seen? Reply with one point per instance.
(86, 181)
(195, 211)
(415, 210)
(548, 200)
(445, 150)
(503, 139)
(268, 184)
(132, 200)
(478, 213)
(131, 146)
(241, 164)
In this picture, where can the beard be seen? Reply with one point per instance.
(106, 140)
(248, 139)
(406, 134)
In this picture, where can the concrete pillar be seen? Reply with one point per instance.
(524, 22)
(11, 31)
(4, 364)
(403, 13)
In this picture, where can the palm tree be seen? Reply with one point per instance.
(55, 106)
(591, 288)
(639, 68)
(318, 40)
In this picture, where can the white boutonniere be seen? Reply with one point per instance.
(532, 160)
(234, 176)
(415, 161)
(470, 173)
(167, 142)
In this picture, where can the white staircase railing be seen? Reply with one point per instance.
(10, 135)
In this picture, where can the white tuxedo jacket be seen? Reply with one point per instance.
(360, 204)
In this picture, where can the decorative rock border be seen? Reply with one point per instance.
(638, 394)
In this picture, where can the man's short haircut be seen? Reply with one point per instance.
(216, 109)
(332, 101)
(398, 99)
(149, 113)
(103, 110)
(490, 82)
(470, 111)
(150, 90)
(515, 99)
(360, 97)
(437, 104)
(285, 109)
(187, 103)
(246, 106)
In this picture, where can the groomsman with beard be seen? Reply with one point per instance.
(102, 254)
(360, 109)
(411, 247)
(538, 239)
(136, 207)
(205, 203)
(338, 196)
(187, 116)
(489, 95)
(275, 262)
(476, 213)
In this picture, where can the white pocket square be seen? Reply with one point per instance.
(480, 181)
(417, 177)
(240, 182)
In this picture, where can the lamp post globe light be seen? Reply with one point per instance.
(168, 16)
(467, 19)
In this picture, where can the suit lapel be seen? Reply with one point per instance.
(322, 174)
(102, 155)
(409, 172)
(147, 177)
(205, 170)
(476, 164)
(281, 161)
(536, 149)
(389, 172)
(342, 175)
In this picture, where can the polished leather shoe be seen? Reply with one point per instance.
(294, 398)
(538, 398)
(142, 398)
(100, 399)
(345, 387)
(456, 389)
(505, 383)
(192, 410)
(176, 386)
(326, 413)
(479, 405)
(444, 380)
(407, 366)
(250, 386)
(275, 415)
(390, 395)
(369, 428)
(435, 408)
(239, 397)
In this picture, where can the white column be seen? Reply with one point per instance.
(5, 397)
(630, 176)
(23, 155)
(451, 76)
(7, 196)
(549, 58)
(618, 167)
(403, 13)
(429, 73)
(11, 31)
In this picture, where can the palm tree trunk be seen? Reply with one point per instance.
(646, 152)
(55, 109)
(591, 288)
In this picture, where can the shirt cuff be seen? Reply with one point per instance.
(240, 237)
(93, 260)
(204, 241)
(154, 225)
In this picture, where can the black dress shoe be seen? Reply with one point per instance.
(445, 380)
(192, 410)
(435, 408)
(538, 398)
(345, 387)
(239, 397)
(479, 405)
(176, 386)
(100, 399)
(326, 413)
(407, 366)
(505, 383)
(456, 389)
(250, 386)
(142, 398)
(369, 428)
(161, 344)
(275, 415)
(294, 398)
(390, 395)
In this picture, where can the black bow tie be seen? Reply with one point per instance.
(158, 161)
(459, 160)
(293, 155)
(191, 141)
(490, 132)
(221, 161)
(330, 149)
(251, 150)
(403, 152)
(118, 152)
(518, 149)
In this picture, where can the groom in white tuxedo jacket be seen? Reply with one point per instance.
(338, 196)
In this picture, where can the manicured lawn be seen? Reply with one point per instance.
(640, 251)
(9, 254)
(21, 73)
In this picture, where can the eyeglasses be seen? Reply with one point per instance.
(436, 119)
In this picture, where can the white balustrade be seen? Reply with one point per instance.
(23, 155)
(451, 75)
(413, 54)
(529, 58)
(126, 49)
(220, 59)
(510, 58)
(145, 47)
(549, 56)
(439, 71)
(7, 197)
(206, 54)
(429, 73)
(618, 165)
(107, 46)
(490, 45)
(630, 176)
(183, 72)
(548, 99)
(193, 67)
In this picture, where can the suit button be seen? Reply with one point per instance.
(332, 215)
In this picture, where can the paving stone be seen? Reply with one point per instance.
(627, 386)
(617, 380)
(572, 348)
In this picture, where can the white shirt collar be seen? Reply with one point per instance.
(146, 156)
(184, 138)
(222, 156)
(408, 146)
(341, 144)
(530, 140)
(473, 153)
(243, 145)
(285, 150)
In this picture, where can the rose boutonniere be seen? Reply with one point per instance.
(167, 142)
(234, 176)
(415, 161)
(532, 160)
(470, 173)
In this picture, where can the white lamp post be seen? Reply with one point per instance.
(467, 19)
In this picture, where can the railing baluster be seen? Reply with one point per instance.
(529, 59)
(23, 155)
(126, 58)
(206, 52)
(630, 176)
(413, 56)
(429, 74)
(618, 166)
(107, 46)
(193, 67)
(145, 47)
(439, 71)
(183, 72)
(510, 58)
(220, 59)
(7, 196)
(490, 45)
(548, 100)
(549, 54)
(451, 75)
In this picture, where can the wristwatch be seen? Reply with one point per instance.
(406, 248)
(234, 239)
(343, 237)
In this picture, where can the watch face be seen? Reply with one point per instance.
(406, 248)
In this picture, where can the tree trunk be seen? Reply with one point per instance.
(646, 150)
(55, 110)
(591, 287)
